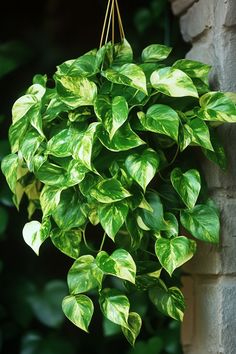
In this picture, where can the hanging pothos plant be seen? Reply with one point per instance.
(111, 143)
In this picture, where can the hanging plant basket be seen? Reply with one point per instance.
(112, 145)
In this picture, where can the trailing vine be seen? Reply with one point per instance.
(111, 143)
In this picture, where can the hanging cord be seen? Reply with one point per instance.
(109, 23)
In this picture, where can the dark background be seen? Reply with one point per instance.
(35, 36)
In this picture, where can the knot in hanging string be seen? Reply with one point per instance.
(112, 12)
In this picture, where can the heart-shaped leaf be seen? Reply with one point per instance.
(119, 263)
(142, 167)
(79, 310)
(187, 185)
(172, 253)
(134, 326)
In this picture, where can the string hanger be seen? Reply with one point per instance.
(112, 13)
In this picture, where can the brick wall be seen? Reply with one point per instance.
(210, 284)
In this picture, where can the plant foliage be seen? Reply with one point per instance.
(110, 142)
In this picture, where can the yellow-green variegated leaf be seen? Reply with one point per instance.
(84, 275)
(123, 53)
(119, 263)
(85, 66)
(129, 75)
(49, 199)
(83, 148)
(218, 107)
(169, 301)
(172, 253)
(155, 52)
(16, 132)
(35, 233)
(112, 217)
(29, 146)
(131, 332)
(9, 168)
(173, 82)
(67, 242)
(109, 191)
(79, 310)
(76, 91)
(22, 106)
(142, 167)
(187, 185)
(196, 132)
(69, 213)
(51, 174)
(115, 306)
(161, 119)
(124, 139)
(202, 222)
(113, 113)
(194, 69)
(60, 144)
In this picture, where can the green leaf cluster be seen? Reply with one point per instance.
(111, 144)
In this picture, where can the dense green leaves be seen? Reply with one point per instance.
(79, 310)
(107, 153)
(202, 222)
(187, 185)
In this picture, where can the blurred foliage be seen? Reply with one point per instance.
(33, 38)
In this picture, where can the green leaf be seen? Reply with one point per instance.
(198, 133)
(22, 106)
(194, 69)
(83, 148)
(119, 263)
(134, 326)
(124, 139)
(84, 66)
(30, 145)
(76, 172)
(67, 242)
(112, 217)
(128, 74)
(123, 53)
(79, 310)
(202, 222)
(109, 191)
(35, 233)
(16, 132)
(172, 253)
(76, 91)
(69, 213)
(168, 301)
(49, 199)
(115, 306)
(154, 219)
(143, 167)
(113, 113)
(51, 174)
(9, 168)
(187, 185)
(60, 144)
(173, 82)
(155, 52)
(161, 119)
(217, 156)
(84, 275)
(172, 225)
(216, 106)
